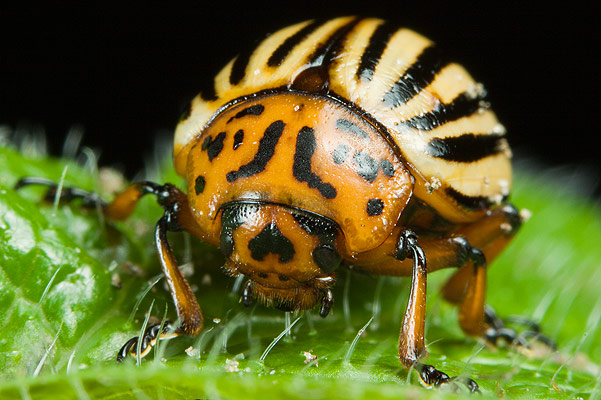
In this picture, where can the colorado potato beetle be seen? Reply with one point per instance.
(345, 142)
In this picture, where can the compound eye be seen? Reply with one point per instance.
(226, 243)
(326, 257)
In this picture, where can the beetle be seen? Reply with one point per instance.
(336, 142)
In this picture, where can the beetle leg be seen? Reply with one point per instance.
(497, 330)
(176, 218)
(149, 339)
(411, 342)
(67, 194)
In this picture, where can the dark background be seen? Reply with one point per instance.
(124, 73)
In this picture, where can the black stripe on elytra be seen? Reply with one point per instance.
(346, 125)
(264, 153)
(238, 138)
(301, 168)
(280, 54)
(373, 52)
(256, 109)
(271, 240)
(463, 105)
(240, 63)
(469, 202)
(466, 148)
(418, 76)
(326, 52)
(213, 146)
(207, 89)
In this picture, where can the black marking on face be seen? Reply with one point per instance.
(280, 54)
(327, 258)
(271, 240)
(283, 278)
(256, 109)
(264, 153)
(375, 207)
(346, 125)
(387, 167)
(301, 168)
(231, 218)
(340, 153)
(469, 202)
(238, 138)
(199, 184)
(373, 52)
(463, 105)
(214, 147)
(366, 167)
(418, 76)
(466, 148)
(327, 51)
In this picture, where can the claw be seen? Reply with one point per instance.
(151, 335)
(432, 377)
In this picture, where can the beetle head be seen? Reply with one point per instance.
(290, 255)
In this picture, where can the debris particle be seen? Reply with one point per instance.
(216, 320)
(116, 280)
(310, 358)
(193, 352)
(206, 279)
(433, 185)
(231, 365)
(525, 214)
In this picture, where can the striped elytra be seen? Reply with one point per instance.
(431, 115)
(426, 107)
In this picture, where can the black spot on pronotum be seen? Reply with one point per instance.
(238, 138)
(340, 153)
(375, 207)
(271, 240)
(216, 146)
(213, 146)
(346, 125)
(199, 184)
(387, 167)
(366, 167)
(264, 153)
(301, 168)
(256, 109)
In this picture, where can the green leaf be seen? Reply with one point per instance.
(63, 318)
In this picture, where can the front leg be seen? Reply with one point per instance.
(177, 217)
(189, 313)
(411, 343)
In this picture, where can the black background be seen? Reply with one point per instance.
(124, 73)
